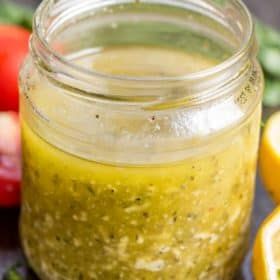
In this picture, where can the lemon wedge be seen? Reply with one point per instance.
(266, 254)
(270, 157)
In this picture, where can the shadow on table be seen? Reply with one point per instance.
(10, 253)
(9, 229)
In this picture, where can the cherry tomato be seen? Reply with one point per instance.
(13, 49)
(10, 159)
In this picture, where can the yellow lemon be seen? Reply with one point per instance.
(270, 157)
(266, 254)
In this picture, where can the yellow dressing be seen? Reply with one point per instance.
(83, 219)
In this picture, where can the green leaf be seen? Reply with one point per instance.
(272, 93)
(13, 274)
(267, 36)
(269, 57)
(270, 60)
(11, 13)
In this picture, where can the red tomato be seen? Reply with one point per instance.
(13, 49)
(10, 163)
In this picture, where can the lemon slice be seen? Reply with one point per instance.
(266, 255)
(270, 157)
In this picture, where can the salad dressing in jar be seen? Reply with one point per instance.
(140, 126)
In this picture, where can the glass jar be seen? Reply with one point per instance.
(140, 127)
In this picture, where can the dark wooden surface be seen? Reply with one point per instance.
(10, 253)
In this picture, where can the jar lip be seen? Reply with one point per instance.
(242, 51)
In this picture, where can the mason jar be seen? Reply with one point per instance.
(140, 128)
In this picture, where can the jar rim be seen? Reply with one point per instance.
(242, 52)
